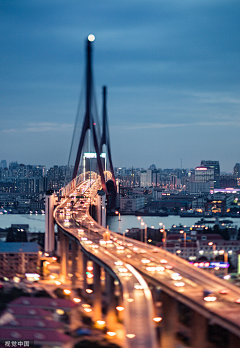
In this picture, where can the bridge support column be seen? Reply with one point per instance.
(154, 297)
(49, 240)
(97, 305)
(64, 256)
(234, 341)
(111, 308)
(67, 254)
(85, 260)
(120, 304)
(74, 263)
(101, 207)
(199, 331)
(80, 262)
(169, 321)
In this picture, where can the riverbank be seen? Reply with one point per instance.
(37, 222)
(131, 221)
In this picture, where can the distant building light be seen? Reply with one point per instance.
(201, 168)
(90, 155)
(219, 264)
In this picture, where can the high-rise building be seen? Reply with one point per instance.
(204, 174)
(149, 177)
(236, 170)
(216, 167)
(143, 178)
(3, 164)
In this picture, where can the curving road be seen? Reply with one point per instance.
(176, 276)
(138, 305)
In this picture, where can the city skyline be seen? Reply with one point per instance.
(171, 70)
(151, 166)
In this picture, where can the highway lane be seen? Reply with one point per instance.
(223, 311)
(137, 302)
(186, 283)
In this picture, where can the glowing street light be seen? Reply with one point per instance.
(162, 230)
(213, 249)
(89, 291)
(111, 333)
(157, 319)
(185, 235)
(100, 322)
(76, 300)
(145, 235)
(126, 231)
(142, 224)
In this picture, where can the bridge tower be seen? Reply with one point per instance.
(105, 140)
(89, 123)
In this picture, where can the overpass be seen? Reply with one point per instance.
(135, 264)
(76, 225)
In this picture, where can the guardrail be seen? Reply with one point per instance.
(66, 190)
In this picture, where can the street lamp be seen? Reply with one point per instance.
(142, 224)
(145, 235)
(184, 234)
(119, 216)
(213, 249)
(124, 236)
(119, 219)
(225, 260)
(162, 230)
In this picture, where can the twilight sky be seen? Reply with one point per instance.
(171, 68)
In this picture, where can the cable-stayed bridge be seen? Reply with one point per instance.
(131, 266)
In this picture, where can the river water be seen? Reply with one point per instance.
(131, 221)
(37, 222)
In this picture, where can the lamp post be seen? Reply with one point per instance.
(119, 219)
(145, 235)
(139, 218)
(142, 224)
(213, 249)
(225, 260)
(124, 235)
(184, 234)
(162, 230)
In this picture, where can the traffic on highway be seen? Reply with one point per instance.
(196, 288)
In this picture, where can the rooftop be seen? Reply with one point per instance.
(42, 302)
(29, 312)
(50, 338)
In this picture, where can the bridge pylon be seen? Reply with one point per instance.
(105, 139)
(90, 124)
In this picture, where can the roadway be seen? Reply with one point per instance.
(174, 275)
(138, 307)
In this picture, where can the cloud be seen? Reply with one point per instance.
(215, 98)
(41, 127)
(174, 125)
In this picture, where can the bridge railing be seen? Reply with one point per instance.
(66, 190)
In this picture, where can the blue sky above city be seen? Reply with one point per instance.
(171, 68)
